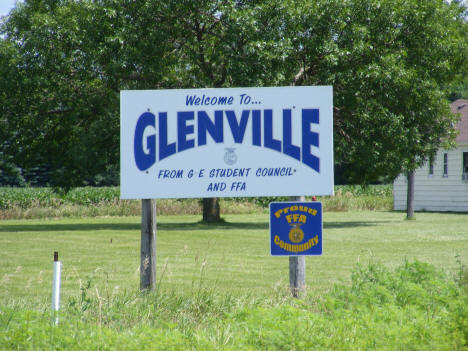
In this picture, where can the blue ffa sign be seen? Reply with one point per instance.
(296, 228)
(275, 141)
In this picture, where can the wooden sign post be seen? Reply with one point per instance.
(297, 266)
(297, 275)
(148, 245)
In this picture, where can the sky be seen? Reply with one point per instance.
(6, 6)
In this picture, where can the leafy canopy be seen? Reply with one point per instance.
(63, 63)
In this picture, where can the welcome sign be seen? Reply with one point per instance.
(226, 142)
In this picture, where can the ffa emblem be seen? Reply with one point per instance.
(230, 156)
(296, 234)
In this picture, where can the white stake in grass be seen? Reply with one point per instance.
(56, 286)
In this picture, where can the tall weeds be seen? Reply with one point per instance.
(414, 307)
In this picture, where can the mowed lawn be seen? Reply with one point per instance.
(233, 256)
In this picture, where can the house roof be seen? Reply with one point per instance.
(461, 106)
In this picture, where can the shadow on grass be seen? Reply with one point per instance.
(60, 227)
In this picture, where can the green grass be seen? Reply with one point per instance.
(218, 288)
(234, 255)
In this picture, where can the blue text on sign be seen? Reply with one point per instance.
(145, 157)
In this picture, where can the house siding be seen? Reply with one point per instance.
(436, 192)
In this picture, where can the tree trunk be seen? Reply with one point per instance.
(410, 196)
(211, 211)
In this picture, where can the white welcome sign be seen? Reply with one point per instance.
(226, 142)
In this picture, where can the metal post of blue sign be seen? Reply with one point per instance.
(296, 231)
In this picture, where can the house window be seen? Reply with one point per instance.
(445, 165)
(465, 166)
(431, 166)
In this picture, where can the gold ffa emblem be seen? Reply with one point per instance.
(296, 235)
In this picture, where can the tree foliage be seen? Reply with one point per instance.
(73, 59)
(387, 62)
(63, 63)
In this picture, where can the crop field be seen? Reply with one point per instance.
(36, 203)
(382, 283)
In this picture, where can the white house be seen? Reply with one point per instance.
(441, 185)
